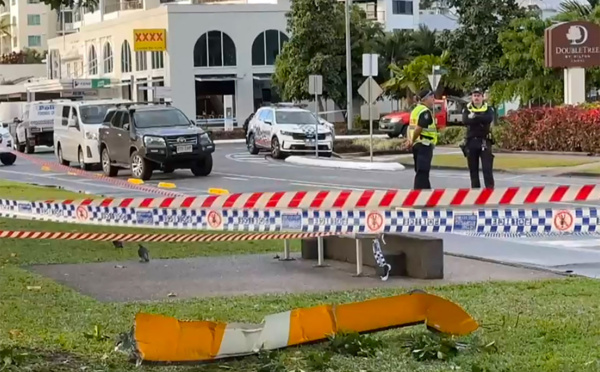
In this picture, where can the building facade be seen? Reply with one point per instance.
(31, 24)
(214, 52)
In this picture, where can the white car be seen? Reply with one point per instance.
(76, 126)
(6, 143)
(288, 130)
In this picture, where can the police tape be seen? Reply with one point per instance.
(98, 176)
(584, 220)
(362, 199)
(155, 238)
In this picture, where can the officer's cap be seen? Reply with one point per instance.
(477, 91)
(425, 93)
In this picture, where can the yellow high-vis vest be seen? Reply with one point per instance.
(428, 135)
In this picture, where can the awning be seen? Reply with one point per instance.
(218, 78)
(262, 77)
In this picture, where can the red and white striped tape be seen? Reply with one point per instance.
(359, 199)
(98, 176)
(163, 238)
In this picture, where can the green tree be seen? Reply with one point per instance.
(5, 27)
(317, 46)
(579, 9)
(474, 50)
(56, 4)
(523, 60)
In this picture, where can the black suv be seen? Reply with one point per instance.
(148, 137)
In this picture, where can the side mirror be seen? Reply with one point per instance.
(210, 134)
(193, 122)
(72, 124)
(268, 122)
(125, 126)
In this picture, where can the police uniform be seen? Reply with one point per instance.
(478, 143)
(423, 117)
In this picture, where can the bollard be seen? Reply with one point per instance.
(286, 251)
(320, 252)
(359, 258)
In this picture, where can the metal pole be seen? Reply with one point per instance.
(317, 124)
(349, 110)
(370, 122)
(320, 251)
(286, 249)
(359, 257)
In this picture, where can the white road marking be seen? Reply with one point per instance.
(320, 186)
(236, 178)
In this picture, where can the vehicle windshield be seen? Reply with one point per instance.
(94, 114)
(295, 117)
(160, 118)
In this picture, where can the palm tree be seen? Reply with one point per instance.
(578, 9)
(5, 28)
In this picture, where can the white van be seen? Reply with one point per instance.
(76, 127)
(35, 127)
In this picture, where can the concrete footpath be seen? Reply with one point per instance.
(252, 274)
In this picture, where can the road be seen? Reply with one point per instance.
(237, 171)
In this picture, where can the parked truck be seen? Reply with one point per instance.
(35, 127)
(448, 111)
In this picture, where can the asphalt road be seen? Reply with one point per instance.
(237, 171)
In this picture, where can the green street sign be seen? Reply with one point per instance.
(100, 83)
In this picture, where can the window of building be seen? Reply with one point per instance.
(158, 60)
(68, 70)
(92, 61)
(34, 40)
(402, 7)
(14, 21)
(214, 49)
(13, 3)
(126, 57)
(14, 42)
(33, 1)
(76, 69)
(108, 58)
(33, 20)
(267, 46)
(141, 61)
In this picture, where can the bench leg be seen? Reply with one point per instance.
(320, 253)
(359, 258)
(286, 251)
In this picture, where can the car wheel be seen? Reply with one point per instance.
(59, 155)
(325, 154)
(167, 169)
(107, 167)
(140, 167)
(8, 158)
(28, 147)
(252, 149)
(404, 131)
(81, 160)
(393, 135)
(276, 149)
(18, 146)
(203, 167)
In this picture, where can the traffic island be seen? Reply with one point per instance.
(409, 255)
(344, 164)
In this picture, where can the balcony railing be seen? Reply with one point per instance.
(375, 15)
(68, 27)
(124, 5)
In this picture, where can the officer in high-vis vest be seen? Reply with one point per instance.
(423, 136)
(478, 118)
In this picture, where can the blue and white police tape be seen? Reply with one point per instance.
(516, 222)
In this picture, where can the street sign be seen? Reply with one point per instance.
(365, 111)
(100, 83)
(315, 84)
(434, 81)
(376, 90)
(82, 83)
(162, 92)
(150, 40)
(370, 64)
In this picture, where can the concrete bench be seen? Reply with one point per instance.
(411, 255)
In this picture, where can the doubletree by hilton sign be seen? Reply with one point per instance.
(573, 44)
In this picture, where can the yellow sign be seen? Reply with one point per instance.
(150, 40)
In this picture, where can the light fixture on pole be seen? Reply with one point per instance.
(349, 110)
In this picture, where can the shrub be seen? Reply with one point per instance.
(451, 135)
(346, 146)
(564, 129)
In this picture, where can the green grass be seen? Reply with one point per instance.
(545, 326)
(509, 161)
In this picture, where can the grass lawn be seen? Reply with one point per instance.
(509, 161)
(546, 326)
(595, 170)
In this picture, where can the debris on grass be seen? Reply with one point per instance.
(355, 344)
(427, 346)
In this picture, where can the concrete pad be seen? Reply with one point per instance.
(344, 164)
(250, 274)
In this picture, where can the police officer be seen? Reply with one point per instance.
(478, 118)
(423, 137)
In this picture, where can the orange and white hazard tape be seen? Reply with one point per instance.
(164, 238)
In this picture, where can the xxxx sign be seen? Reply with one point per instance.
(150, 40)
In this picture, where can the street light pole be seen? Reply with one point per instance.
(349, 111)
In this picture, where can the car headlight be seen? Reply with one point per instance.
(395, 120)
(91, 136)
(151, 141)
(205, 139)
(284, 133)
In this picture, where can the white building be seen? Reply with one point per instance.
(213, 50)
(32, 24)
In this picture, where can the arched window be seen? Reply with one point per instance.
(108, 58)
(267, 46)
(126, 57)
(214, 49)
(92, 61)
